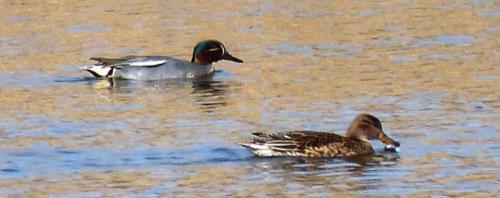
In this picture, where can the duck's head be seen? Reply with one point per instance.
(366, 127)
(209, 51)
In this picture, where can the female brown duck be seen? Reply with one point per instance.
(363, 128)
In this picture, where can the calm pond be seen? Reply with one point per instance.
(430, 70)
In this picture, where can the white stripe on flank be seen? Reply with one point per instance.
(147, 63)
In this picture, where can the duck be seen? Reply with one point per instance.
(303, 143)
(149, 68)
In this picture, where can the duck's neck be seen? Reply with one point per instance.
(361, 139)
(353, 133)
(201, 62)
(202, 59)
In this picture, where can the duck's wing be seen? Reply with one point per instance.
(299, 140)
(133, 61)
(108, 61)
(293, 143)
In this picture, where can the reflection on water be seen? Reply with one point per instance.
(209, 93)
(326, 166)
(427, 69)
(361, 173)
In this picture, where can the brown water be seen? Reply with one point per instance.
(430, 70)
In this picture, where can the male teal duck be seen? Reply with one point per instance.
(148, 68)
(363, 128)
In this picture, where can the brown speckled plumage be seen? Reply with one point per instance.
(322, 144)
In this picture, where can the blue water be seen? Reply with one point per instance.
(45, 160)
(432, 83)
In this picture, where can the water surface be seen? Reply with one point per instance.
(429, 70)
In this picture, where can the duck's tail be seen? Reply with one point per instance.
(258, 149)
(98, 70)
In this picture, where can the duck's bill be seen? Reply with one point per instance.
(229, 57)
(391, 145)
(387, 140)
